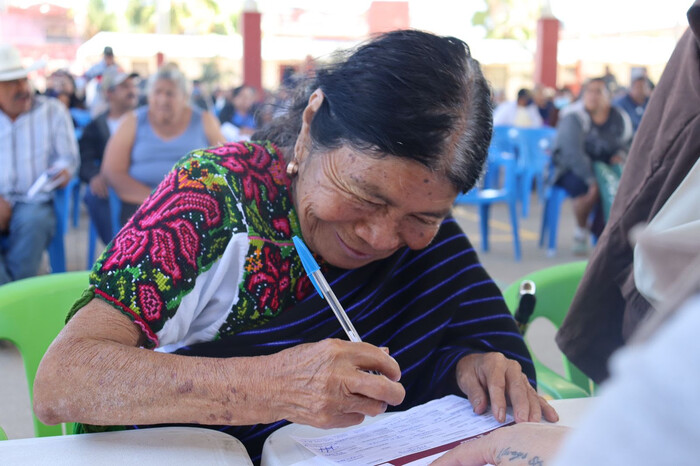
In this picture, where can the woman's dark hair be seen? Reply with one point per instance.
(406, 93)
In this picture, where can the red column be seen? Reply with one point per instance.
(252, 49)
(546, 54)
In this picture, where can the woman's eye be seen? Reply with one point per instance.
(426, 221)
(367, 202)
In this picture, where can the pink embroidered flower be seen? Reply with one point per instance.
(281, 224)
(231, 148)
(129, 245)
(253, 169)
(162, 227)
(303, 288)
(149, 301)
(272, 281)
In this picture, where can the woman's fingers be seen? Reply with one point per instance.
(496, 370)
(376, 387)
(550, 414)
(503, 380)
(326, 384)
(520, 393)
(470, 382)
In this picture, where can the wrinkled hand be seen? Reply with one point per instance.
(5, 214)
(485, 377)
(98, 186)
(326, 384)
(522, 444)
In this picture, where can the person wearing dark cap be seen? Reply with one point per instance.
(120, 93)
(100, 67)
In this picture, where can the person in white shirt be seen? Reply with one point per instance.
(522, 113)
(36, 137)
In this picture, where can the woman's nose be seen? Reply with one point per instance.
(380, 232)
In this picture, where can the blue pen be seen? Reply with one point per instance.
(324, 289)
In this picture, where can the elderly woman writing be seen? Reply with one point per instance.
(365, 166)
(149, 141)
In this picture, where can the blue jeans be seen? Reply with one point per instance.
(98, 209)
(31, 228)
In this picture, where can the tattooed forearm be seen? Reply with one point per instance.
(510, 455)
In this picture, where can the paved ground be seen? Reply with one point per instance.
(15, 417)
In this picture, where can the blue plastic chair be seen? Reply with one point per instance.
(92, 244)
(57, 249)
(81, 117)
(484, 197)
(503, 142)
(115, 207)
(76, 189)
(554, 197)
(532, 148)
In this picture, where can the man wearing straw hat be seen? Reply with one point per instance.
(38, 153)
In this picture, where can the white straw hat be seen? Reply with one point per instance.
(11, 64)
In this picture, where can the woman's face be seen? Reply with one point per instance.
(166, 101)
(355, 209)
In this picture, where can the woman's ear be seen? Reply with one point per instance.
(303, 143)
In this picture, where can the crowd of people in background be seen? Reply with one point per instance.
(595, 128)
(113, 129)
(150, 122)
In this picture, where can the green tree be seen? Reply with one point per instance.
(186, 17)
(98, 19)
(141, 16)
(508, 19)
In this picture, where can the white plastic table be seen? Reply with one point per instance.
(282, 450)
(153, 446)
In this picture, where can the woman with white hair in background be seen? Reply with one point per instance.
(151, 139)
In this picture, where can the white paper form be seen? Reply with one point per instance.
(407, 437)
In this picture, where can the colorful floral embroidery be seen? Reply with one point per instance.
(183, 228)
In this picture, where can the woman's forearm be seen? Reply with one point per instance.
(128, 189)
(95, 372)
(102, 382)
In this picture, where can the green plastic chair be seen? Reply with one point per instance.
(555, 288)
(3, 435)
(32, 312)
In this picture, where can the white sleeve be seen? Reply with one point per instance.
(648, 412)
(535, 115)
(204, 309)
(502, 115)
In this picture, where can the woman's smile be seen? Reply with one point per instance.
(351, 252)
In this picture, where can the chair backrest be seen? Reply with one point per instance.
(534, 146)
(32, 312)
(502, 139)
(500, 178)
(555, 289)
